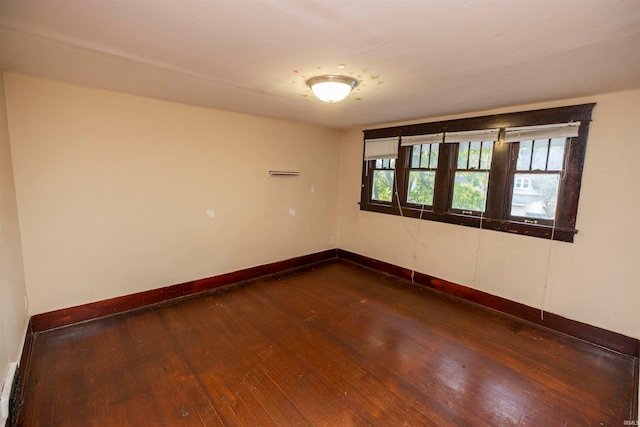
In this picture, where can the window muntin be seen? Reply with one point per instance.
(383, 180)
(422, 173)
(471, 176)
(541, 154)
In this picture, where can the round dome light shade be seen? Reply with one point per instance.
(331, 88)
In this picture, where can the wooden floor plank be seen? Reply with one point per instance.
(336, 345)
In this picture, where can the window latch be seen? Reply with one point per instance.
(530, 221)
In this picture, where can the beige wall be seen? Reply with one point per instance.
(595, 280)
(13, 315)
(113, 191)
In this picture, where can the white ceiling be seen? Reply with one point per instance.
(432, 57)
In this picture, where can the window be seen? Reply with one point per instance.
(423, 152)
(522, 183)
(537, 178)
(422, 173)
(382, 188)
(380, 157)
(516, 172)
(471, 176)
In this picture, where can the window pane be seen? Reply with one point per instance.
(392, 163)
(474, 154)
(470, 191)
(379, 163)
(463, 155)
(535, 195)
(487, 152)
(539, 161)
(382, 185)
(524, 156)
(424, 160)
(415, 156)
(421, 185)
(435, 149)
(556, 154)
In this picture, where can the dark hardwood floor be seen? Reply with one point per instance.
(336, 345)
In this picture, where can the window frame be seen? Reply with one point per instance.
(530, 171)
(410, 168)
(501, 173)
(457, 169)
(374, 168)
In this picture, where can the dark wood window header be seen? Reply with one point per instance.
(572, 113)
(500, 211)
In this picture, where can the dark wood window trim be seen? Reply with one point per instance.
(497, 212)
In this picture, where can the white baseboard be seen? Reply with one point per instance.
(6, 393)
(5, 397)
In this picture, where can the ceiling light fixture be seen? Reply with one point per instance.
(332, 87)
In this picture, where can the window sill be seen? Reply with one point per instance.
(514, 227)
